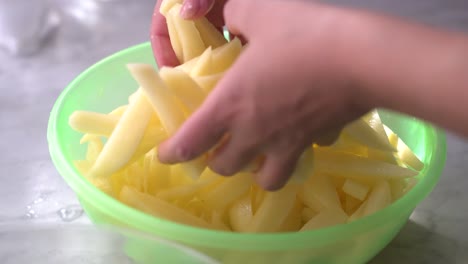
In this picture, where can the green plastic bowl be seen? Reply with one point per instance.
(108, 84)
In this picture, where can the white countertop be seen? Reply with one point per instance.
(33, 192)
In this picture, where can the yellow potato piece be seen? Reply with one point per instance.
(160, 96)
(184, 87)
(174, 38)
(379, 198)
(160, 208)
(320, 189)
(304, 167)
(210, 35)
(356, 189)
(411, 183)
(153, 136)
(351, 204)
(397, 188)
(404, 153)
(307, 214)
(228, 191)
(208, 82)
(92, 123)
(226, 55)
(293, 221)
(158, 174)
(240, 214)
(384, 156)
(257, 195)
(83, 166)
(166, 5)
(369, 131)
(223, 57)
(356, 167)
(163, 103)
(184, 191)
(204, 64)
(188, 35)
(95, 147)
(218, 222)
(119, 111)
(268, 218)
(125, 138)
(327, 217)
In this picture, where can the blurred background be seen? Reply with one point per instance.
(45, 44)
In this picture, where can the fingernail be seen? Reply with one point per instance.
(188, 10)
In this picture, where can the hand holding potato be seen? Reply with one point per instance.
(275, 101)
(191, 9)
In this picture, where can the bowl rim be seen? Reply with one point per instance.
(218, 239)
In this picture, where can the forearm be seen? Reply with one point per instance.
(416, 70)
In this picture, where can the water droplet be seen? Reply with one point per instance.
(70, 213)
(38, 200)
(31, 214)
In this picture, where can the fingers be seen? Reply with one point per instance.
(193, 9)
(196, 136)
(160, 42)
(214, 119)
(234, 155)
(237, 15)
(278, 167)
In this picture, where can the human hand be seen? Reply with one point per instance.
(290, 87)
(191, 9)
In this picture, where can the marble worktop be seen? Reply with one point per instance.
(32, 192)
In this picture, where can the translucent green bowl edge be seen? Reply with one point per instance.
(237, 241)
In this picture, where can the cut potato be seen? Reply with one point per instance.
(188, 35)
(307, 214)
(293, 221)
(95, 147)
(226, 55)
(166, 5)
(369, 131)
(356, 167)
(184, 87)
(404, 153)
(93, 123)
(210, 35)
(327, 217)
(228, 191)
(379, 198)
(119, 111)
(240, 214)
(351, 204)
(208, 82)
(355, 189)
(163, 102)
(267, 219)
(174, 38)
(304, 167)
(320, 188)
(124, 140)
(204, 65)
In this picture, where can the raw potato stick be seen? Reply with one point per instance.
(164, 104)
(188, 35)
(92, 123)
(125, 138)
